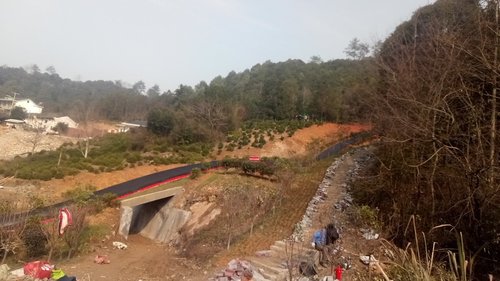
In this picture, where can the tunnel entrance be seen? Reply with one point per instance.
(145, 213)
(151, 215)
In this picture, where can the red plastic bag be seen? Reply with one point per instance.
(38, 269)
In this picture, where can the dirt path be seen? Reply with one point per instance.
(147, 260)
(325, 207)
(351, 243)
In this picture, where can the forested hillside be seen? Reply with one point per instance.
(332, 90)
(436, 110)
(101, 99)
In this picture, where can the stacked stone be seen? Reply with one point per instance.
(312, 207)
(234, 271)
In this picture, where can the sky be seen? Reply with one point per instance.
(173, 42)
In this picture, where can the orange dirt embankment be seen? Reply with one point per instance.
(296, 145)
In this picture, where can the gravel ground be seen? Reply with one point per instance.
(14, 142)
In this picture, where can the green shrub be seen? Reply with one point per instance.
(230, 147)
(81, 194)
(195, 173)
(109, 199)
(34, 240)
(366, 216)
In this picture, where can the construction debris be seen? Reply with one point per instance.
(102, 259)
(4, 272)
(367, 260)
(120, 245)
(369, 234)
(235, 270)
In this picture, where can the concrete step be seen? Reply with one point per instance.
(269, 276)
(269, 268)
(302, 247)
(299, 253)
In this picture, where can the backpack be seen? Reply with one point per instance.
(331, 234)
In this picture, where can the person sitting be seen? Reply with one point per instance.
(323, 240)
(331, 234)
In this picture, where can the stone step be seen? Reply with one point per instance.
(269, 268)
(281, 249)
(267, 275)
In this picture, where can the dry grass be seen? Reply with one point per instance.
(416, 264)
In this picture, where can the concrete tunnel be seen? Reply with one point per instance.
(151, 215)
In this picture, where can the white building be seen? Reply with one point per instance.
(66, 120)
(29, 106)
(47, 124)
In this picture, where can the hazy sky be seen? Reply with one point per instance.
(170, 42)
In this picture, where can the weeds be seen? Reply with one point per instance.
(420, 264)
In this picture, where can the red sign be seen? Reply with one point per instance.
(254, 158)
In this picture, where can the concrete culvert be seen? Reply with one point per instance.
(151, 215)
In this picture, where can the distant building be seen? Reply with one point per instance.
(7, 103)
(66, 120)
(13, 122)
(30, 107)
(124, 127)
(48, 123)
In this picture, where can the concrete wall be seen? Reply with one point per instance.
(152, 216)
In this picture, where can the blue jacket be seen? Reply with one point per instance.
(319, 237)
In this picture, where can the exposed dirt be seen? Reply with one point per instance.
(297, 145)
(14, 142)
(52, 190)
(147, 260)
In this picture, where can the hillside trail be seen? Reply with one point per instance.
(333, 209)
(147, 260)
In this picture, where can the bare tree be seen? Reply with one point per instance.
(210, 113)
(84, 110)
(12, 224)
(51, 233)
(437, 114)
(73, 235)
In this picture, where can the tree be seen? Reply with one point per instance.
(51, 233)
(84, 110)
(316, 59)
(139, 87)
(37, 133)
(13, 222)
(74, 234)
(357, 50)
(35, 69)
(160, 121)
(51, 70)
(436, 110)
(18, 113)
(154, 91)
(209, 113)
